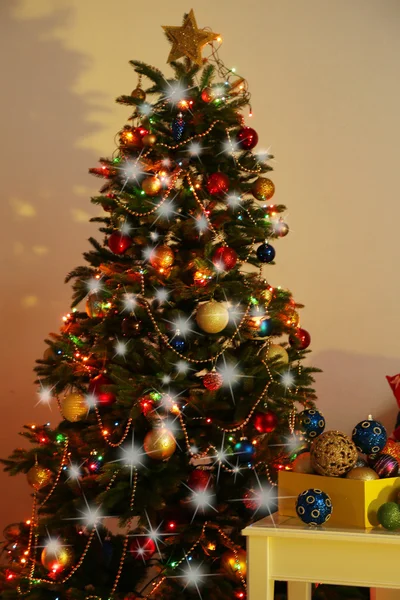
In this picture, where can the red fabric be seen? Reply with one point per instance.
(394, 383)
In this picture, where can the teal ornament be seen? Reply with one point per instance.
(311, 422)
(369, 436)
(314, 507)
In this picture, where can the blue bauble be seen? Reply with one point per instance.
(265, 253)
(369, 436)
(314, 507)
(244, 451)
(178, 127)
(178, 343)
(312, 423)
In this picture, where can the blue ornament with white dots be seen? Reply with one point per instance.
(265, 253)
(244, 451)
(369, 436)
(178, 343)
(314, 507)
(311, 423)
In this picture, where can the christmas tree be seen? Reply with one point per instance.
(179, 384)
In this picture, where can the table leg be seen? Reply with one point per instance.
(384, 594)
(299, 590)
(260, 584)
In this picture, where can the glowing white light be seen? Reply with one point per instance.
(263, 155)
(218, 91)
(288, 379)
(148, 253)
(193, 449)
(161, 295)
(257, 311)
(145, 109)
(125, 228)
(91, 401)
(183, 326)
(202, 500)
(233, 200)
(94, 285)
(129, 301)
(235, 313)
(175, 92)
(91, 515)
(131, 456)
(154, 236)
(45, 395)
(166, 210)
(53, 546)
(230, 373)
(74, 472)
(166, 379)
(193, 576)
(194, 148)
(132, 170)
(229, 147)
(182, 366)
(201, 223)
(121, 348)
(166, 162)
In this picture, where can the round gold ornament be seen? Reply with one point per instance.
(151, 185)
(149, 139)
(162, 257)
(333, 454)
(139, 94)
(278, 353)
(38, 477)
(302, 463)
(263, 188)
(74, 407)
(362, 474)
(235, 566)
(159, 443)
(212, 317)
(56, 557)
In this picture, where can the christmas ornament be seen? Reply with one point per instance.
(263, 189)
(251, 501)
(266, 295)
(333, 453)
(188, 40)
(151, 185)
(149, 139)
(234, 564)
(361, 463)
(213, 381)
(119, 242)
(96, 387)
(159, 443)
(178, 127)
(393, 448)
(362, 474)
(224, 258)
(207, 95)
(217, 183)
(278, 354)
(162, 257)
(185, 104)
(280, 228)
(38, 477)
(369, 436)
(131, 138)
(56, 557)
(257, 328)
(178, 343)
(131, 327)
(247, 138)
(302, 463)
(199, 479)
(265, 422)
(385, 465)
(388, 515)
(139, 94)
(265, 253)
(97, 305)
(244, 451)
(290, 317)
(300, 339)
(74, 407)
(394, 382)
(212, 317)
(311, 423)
(143, 548)
(314, 507)
(201, 278)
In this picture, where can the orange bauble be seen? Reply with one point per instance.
(162, 257)
(38, 477)
(392, 448)
(151, 185)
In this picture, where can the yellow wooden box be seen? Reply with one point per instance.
(355, 503)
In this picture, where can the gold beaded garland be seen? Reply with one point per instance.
(333, 454)
(263, 189)
(234, 564)
(212, 317)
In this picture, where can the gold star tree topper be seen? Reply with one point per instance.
(188, 40)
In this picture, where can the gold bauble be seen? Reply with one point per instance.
(333, 454)
(212, 317)
(149, 139)
(159, 443)
(151, 185)
(263, 188)
(138, 93)
(74, 407)
(97, 305)
(234, 566)
(291, 318)
(362, 474)
(162, 257)
(57, 559)
(278, 353)
(302, 463)
(38, 477)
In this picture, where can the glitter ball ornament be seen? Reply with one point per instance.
(212, 317)
(199, 480)
(244, 451)
(385, 466)
(281, 229)
(369, 436)
(207, 95)
(247, 138)
(178, 343)
(56, 557)
(97, 388)
(217, 183)
(362, 474)
(159, 443)
(300, 339)
(263, 189)
(151, 185)
(265, 422)
(257, 328)
(302, 463)
(149, 140)
(278, 354)
(178, 127)
(143, 548)
(392, 448)
(388, 515)
(224, 258)
(162, 257)
(213, 381)
(97, 305)
(333, 454)
(314, 507)
(119, 242)
(138, 94)
(38, 477)
(311, 423)
(234, 564)
(265, 253)
(74, 407)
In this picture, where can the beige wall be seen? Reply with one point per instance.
(326, 94)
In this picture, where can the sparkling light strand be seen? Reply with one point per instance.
(60, 470)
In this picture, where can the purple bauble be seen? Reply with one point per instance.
(385, 465)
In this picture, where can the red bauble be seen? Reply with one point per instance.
(96, 388)
(143, 548)
(225, 258)
(217, 183)
(247, 138)
(300, 339)
(199, 480)
(213, 381)
(265, 422)
(119, 242)
(250, 500)
(207, 95)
